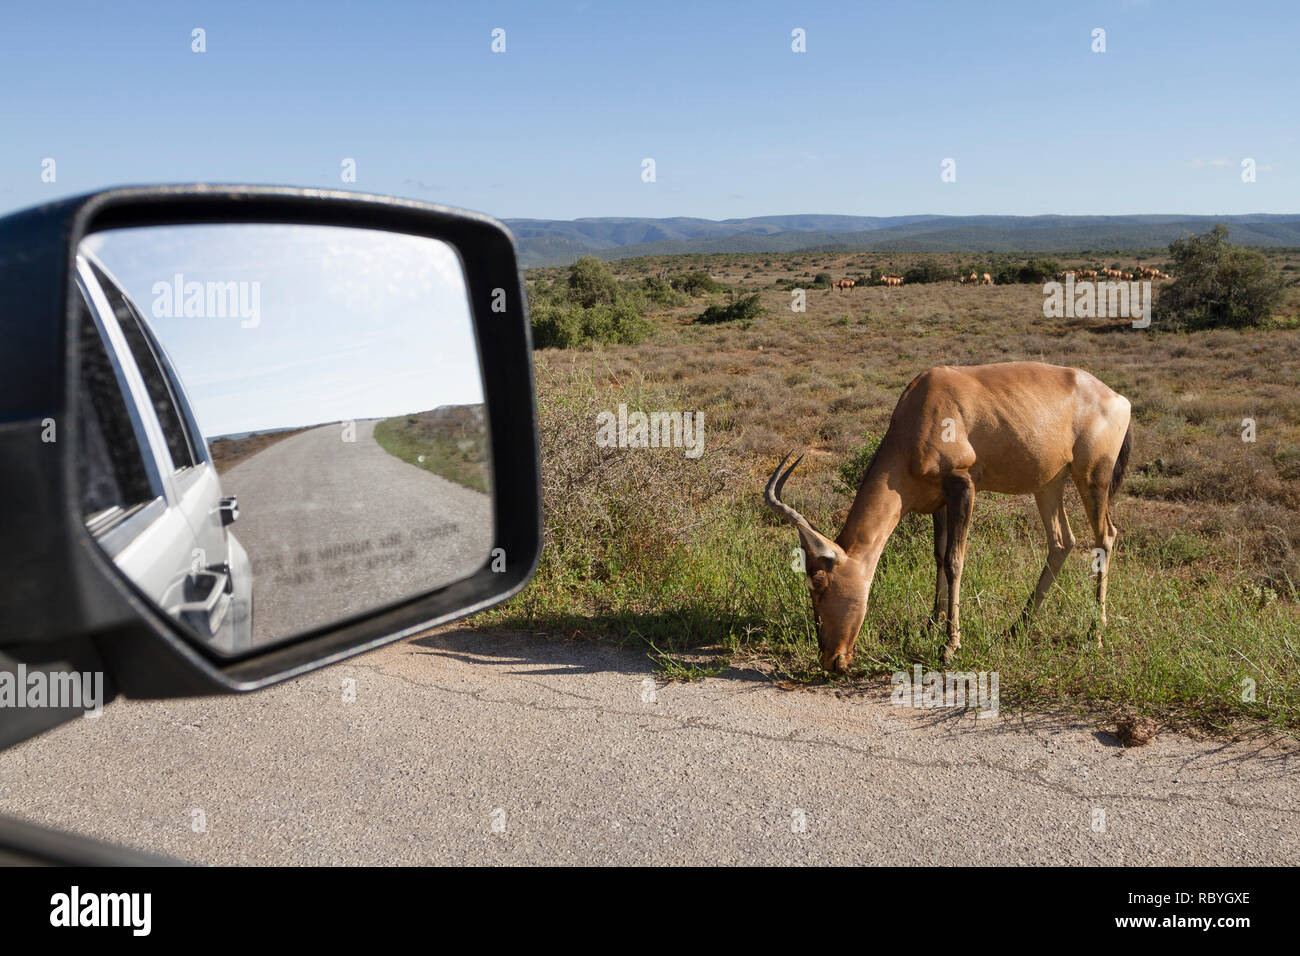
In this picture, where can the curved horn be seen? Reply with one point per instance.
(814, 542)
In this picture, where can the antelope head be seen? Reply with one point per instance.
(837, 581)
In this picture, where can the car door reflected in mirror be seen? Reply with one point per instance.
(282, 426)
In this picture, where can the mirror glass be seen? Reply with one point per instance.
(282, 426)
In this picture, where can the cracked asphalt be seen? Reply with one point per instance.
(500, 748)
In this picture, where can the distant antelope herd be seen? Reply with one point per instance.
(975, 278)
(1142, 272)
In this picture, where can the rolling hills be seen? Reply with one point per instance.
(544, 242)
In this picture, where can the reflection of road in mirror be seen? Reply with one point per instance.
(335, 528)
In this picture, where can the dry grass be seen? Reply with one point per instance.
(792, 380)
(228, 452)
(1207, 520)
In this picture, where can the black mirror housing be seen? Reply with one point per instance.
(60, 598)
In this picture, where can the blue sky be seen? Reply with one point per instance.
(738, 124)
(340, 325)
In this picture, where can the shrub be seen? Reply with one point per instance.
(1218, 284)
(854, 468)
(591, 282)
(590, 305)
(1006, 274)
(1040, 270)
(696, 283)
(746, 308)
(927, 270)
(568, 325)
(661, 292)
(613, 513)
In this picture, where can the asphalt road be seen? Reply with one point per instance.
(335, 528)
(464, 747)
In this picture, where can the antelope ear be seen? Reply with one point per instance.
(817, 546)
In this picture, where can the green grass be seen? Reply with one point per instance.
(1175, 647)
(678, 557)
(448, 441)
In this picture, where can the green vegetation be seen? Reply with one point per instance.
(589, 305)
(661, 292)
(927, 270)
(450, 441)
(854, 468)
(742, 309)
(658, 550)
(1218, 284)
(696, 283)
(677, 556)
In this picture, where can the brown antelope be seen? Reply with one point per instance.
(891, 280)
(986, 279)
(967, 280)
(1017, 428)
(843, 284)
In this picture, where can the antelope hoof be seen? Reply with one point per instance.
(950, 651)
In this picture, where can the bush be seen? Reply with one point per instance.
(1218, 284)
(591, 282)
(822, 280)
(590, 305)
(661, 292)
(927, 270)
(1006, 274)
(614, 513)
(854, 469)
(562, 325)
(696, 283)
(746, 308)
(1040, 270)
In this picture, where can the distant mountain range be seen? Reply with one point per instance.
(544, 242)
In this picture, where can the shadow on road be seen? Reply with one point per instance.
(535, 653)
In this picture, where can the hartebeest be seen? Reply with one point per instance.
(1017, 428)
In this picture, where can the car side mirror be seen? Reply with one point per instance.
(246, 432)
